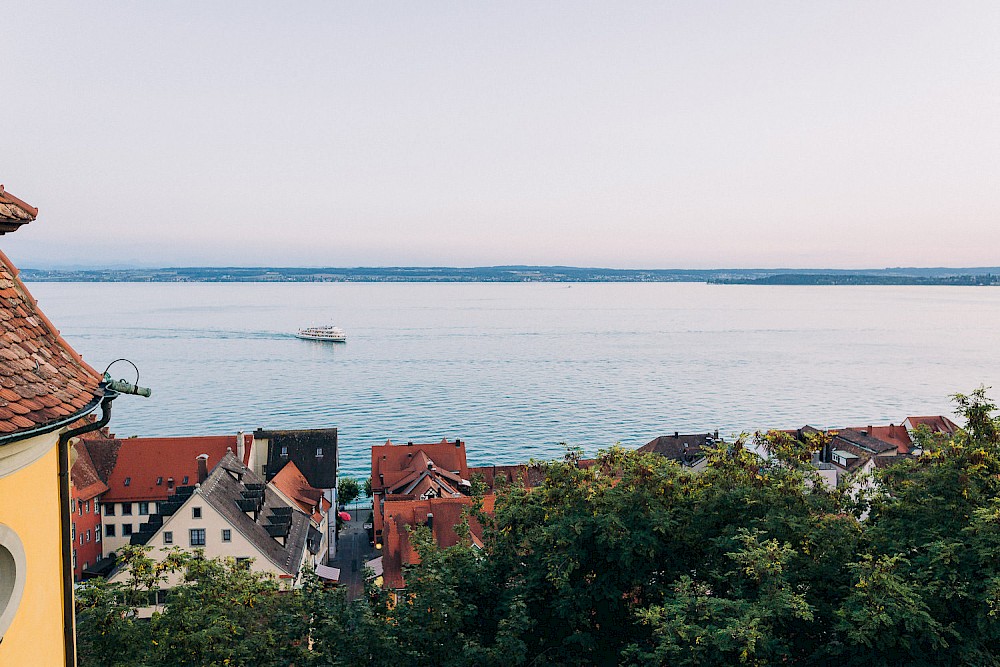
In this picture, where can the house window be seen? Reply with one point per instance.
(168, 537)
(143, 508)
(73, 531)
(88, 507)
(243, 562)
(126, 529)
(74, 559)
(197, 537)
(227, 535)
(109, 530)
(128, 481)
(195, 512)
(284, 451)
(159, 481)
(97, 534)
(126, 509)
(88, 535)
(109, 509)
(81, 538)
(79, 508)
(319, 452)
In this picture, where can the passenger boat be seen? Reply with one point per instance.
(331, 334)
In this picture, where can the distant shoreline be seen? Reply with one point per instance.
(526, 274)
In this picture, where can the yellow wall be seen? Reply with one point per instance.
(29, 504)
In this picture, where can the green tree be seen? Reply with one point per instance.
(347, 490)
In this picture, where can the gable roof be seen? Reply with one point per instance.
(936, 423)
(135, 465)
(294, 485)
(392, 463)
(860, 456)
(14, 212)
(228, 484)
(862, 440)
(398, 551)
(897, 436)
(229, 487)
(301, 447)
(673, 446)
(86, 482)
(524, 475)
(44, 383)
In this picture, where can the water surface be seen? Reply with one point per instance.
(516, 369)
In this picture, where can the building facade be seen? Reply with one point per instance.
(45, 386)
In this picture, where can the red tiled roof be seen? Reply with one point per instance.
(936, 423)
(521, 474)
(42, 379)
(397, 550)
(86, 482)
(14, 212)
(291, 482)
(892, 434)
(414, 469)
(394, 462)
(143, 461)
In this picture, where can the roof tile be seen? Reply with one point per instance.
(42, 378)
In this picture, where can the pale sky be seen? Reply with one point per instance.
(622, 134)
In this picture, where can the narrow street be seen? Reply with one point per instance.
(353, 552)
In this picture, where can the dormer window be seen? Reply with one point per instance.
(159, 481)
(185, 480)
(284, 452)
(319, 452)
(128, 480)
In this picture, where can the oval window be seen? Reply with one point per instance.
(12, 566)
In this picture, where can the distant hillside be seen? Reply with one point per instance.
(510, 274)
(862, 279)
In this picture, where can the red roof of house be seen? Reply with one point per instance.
(291, 482)
(14, 212)
(936, 423)
(43, 381)
(86, 482)
(397, 550)
(137, 464)
(415, 470)
(892, 434)
(394, 462)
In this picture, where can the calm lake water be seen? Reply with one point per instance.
(517, 369)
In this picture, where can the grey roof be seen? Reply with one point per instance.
(301, 446)
(864, 441)
(224, 489)
(672, 446)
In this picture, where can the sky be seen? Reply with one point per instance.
(662, 134)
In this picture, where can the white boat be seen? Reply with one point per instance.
(332, 334)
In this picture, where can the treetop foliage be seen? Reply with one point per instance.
(634, 561)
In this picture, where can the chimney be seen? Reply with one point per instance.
(716, 434)
(241, 448)
(430, 521)
(202, 468)
(870, 431)
(458, 442)
(677, 434)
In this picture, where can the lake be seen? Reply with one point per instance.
(516, 369)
